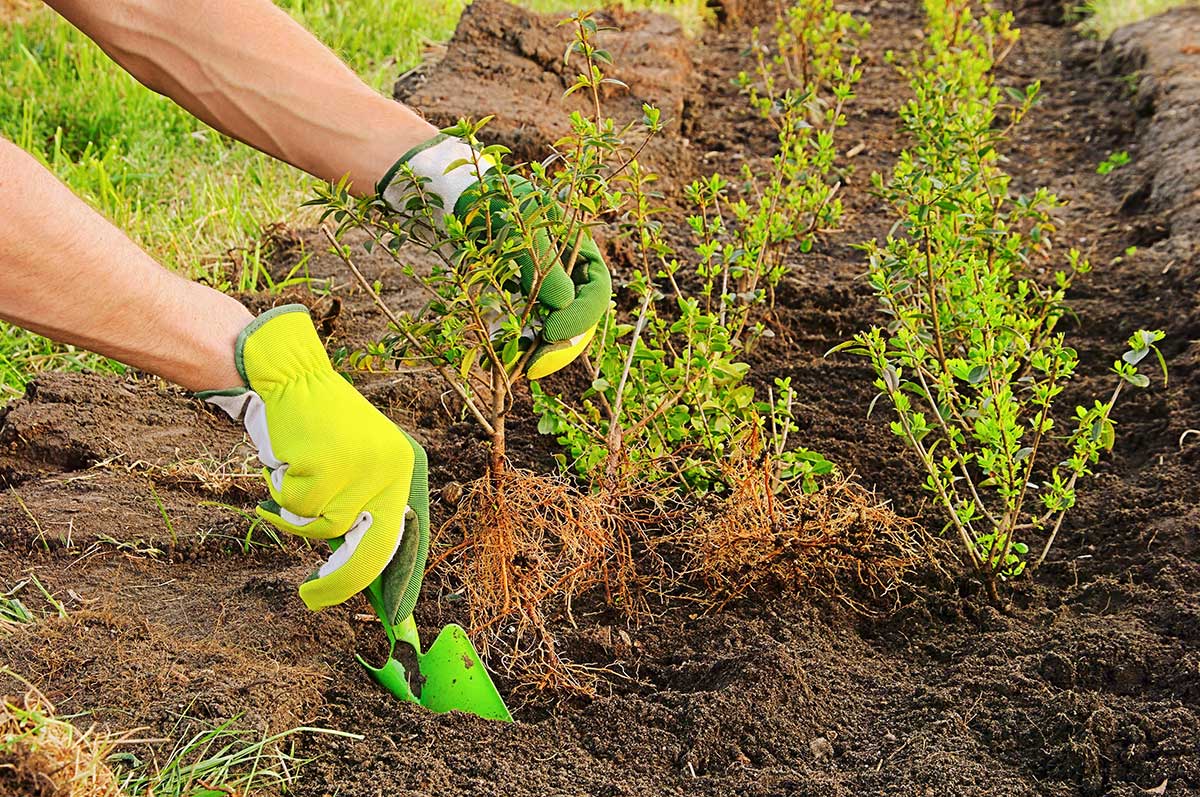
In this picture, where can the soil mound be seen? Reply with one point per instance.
(1163, 55)
(507, 61)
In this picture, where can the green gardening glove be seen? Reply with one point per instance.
(335, 465)
(574, 303)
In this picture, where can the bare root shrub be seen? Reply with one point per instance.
(839, 541)
(43, 756)
(528, 546)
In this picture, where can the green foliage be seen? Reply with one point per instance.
(13, 613)
(218, 760)
(666, 399)
(801, 83)
(1113, 162)
(971, 358)
(668, 402)
(23, 354)
(1102, 17)
(476, 328)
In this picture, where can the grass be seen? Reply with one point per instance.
(1105, 16)
(39, 748)
(219, 760)
(12, 614)
(196, 200)
(185, 193)
(41, 753)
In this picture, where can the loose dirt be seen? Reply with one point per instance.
(1088, 684)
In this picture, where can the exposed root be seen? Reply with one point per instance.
(529, 546)
(43, 756)
(840, 541)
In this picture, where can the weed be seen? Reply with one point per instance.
(12, 614)
(162, 511)
(54, 602)
(1114, 161)
(247, 542)
(971, 359)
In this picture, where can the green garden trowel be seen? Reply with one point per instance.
(447, 677)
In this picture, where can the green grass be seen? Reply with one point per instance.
(194, 199)
(184, 192)
(217, 761)
(1105, 16)
(12, 614)
(214, 761)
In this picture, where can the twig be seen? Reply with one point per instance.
(446, 373)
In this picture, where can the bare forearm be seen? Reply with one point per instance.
(66, 273)
(246, 68)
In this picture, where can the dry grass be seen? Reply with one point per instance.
(528, 545)
(840, 541)
(16, 10)
(234, 475)
(44, 756)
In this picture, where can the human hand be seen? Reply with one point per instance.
(450, 169)
(335, 466)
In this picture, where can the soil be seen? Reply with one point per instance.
(1087, 684)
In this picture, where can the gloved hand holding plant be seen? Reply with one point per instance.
(448, 185)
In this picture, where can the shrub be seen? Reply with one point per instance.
(668, 401)
(475, 329)
(519, 546)
(972, 359)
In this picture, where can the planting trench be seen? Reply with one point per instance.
(1088, 684)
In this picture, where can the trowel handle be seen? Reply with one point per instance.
(405, 630)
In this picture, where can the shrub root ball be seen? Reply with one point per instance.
(527, 545)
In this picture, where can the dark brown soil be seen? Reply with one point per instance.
(1088, 684)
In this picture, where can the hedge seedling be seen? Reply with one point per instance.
(475, 329)
(971, 359)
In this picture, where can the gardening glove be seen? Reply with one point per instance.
(574, 303)
(335, 465)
